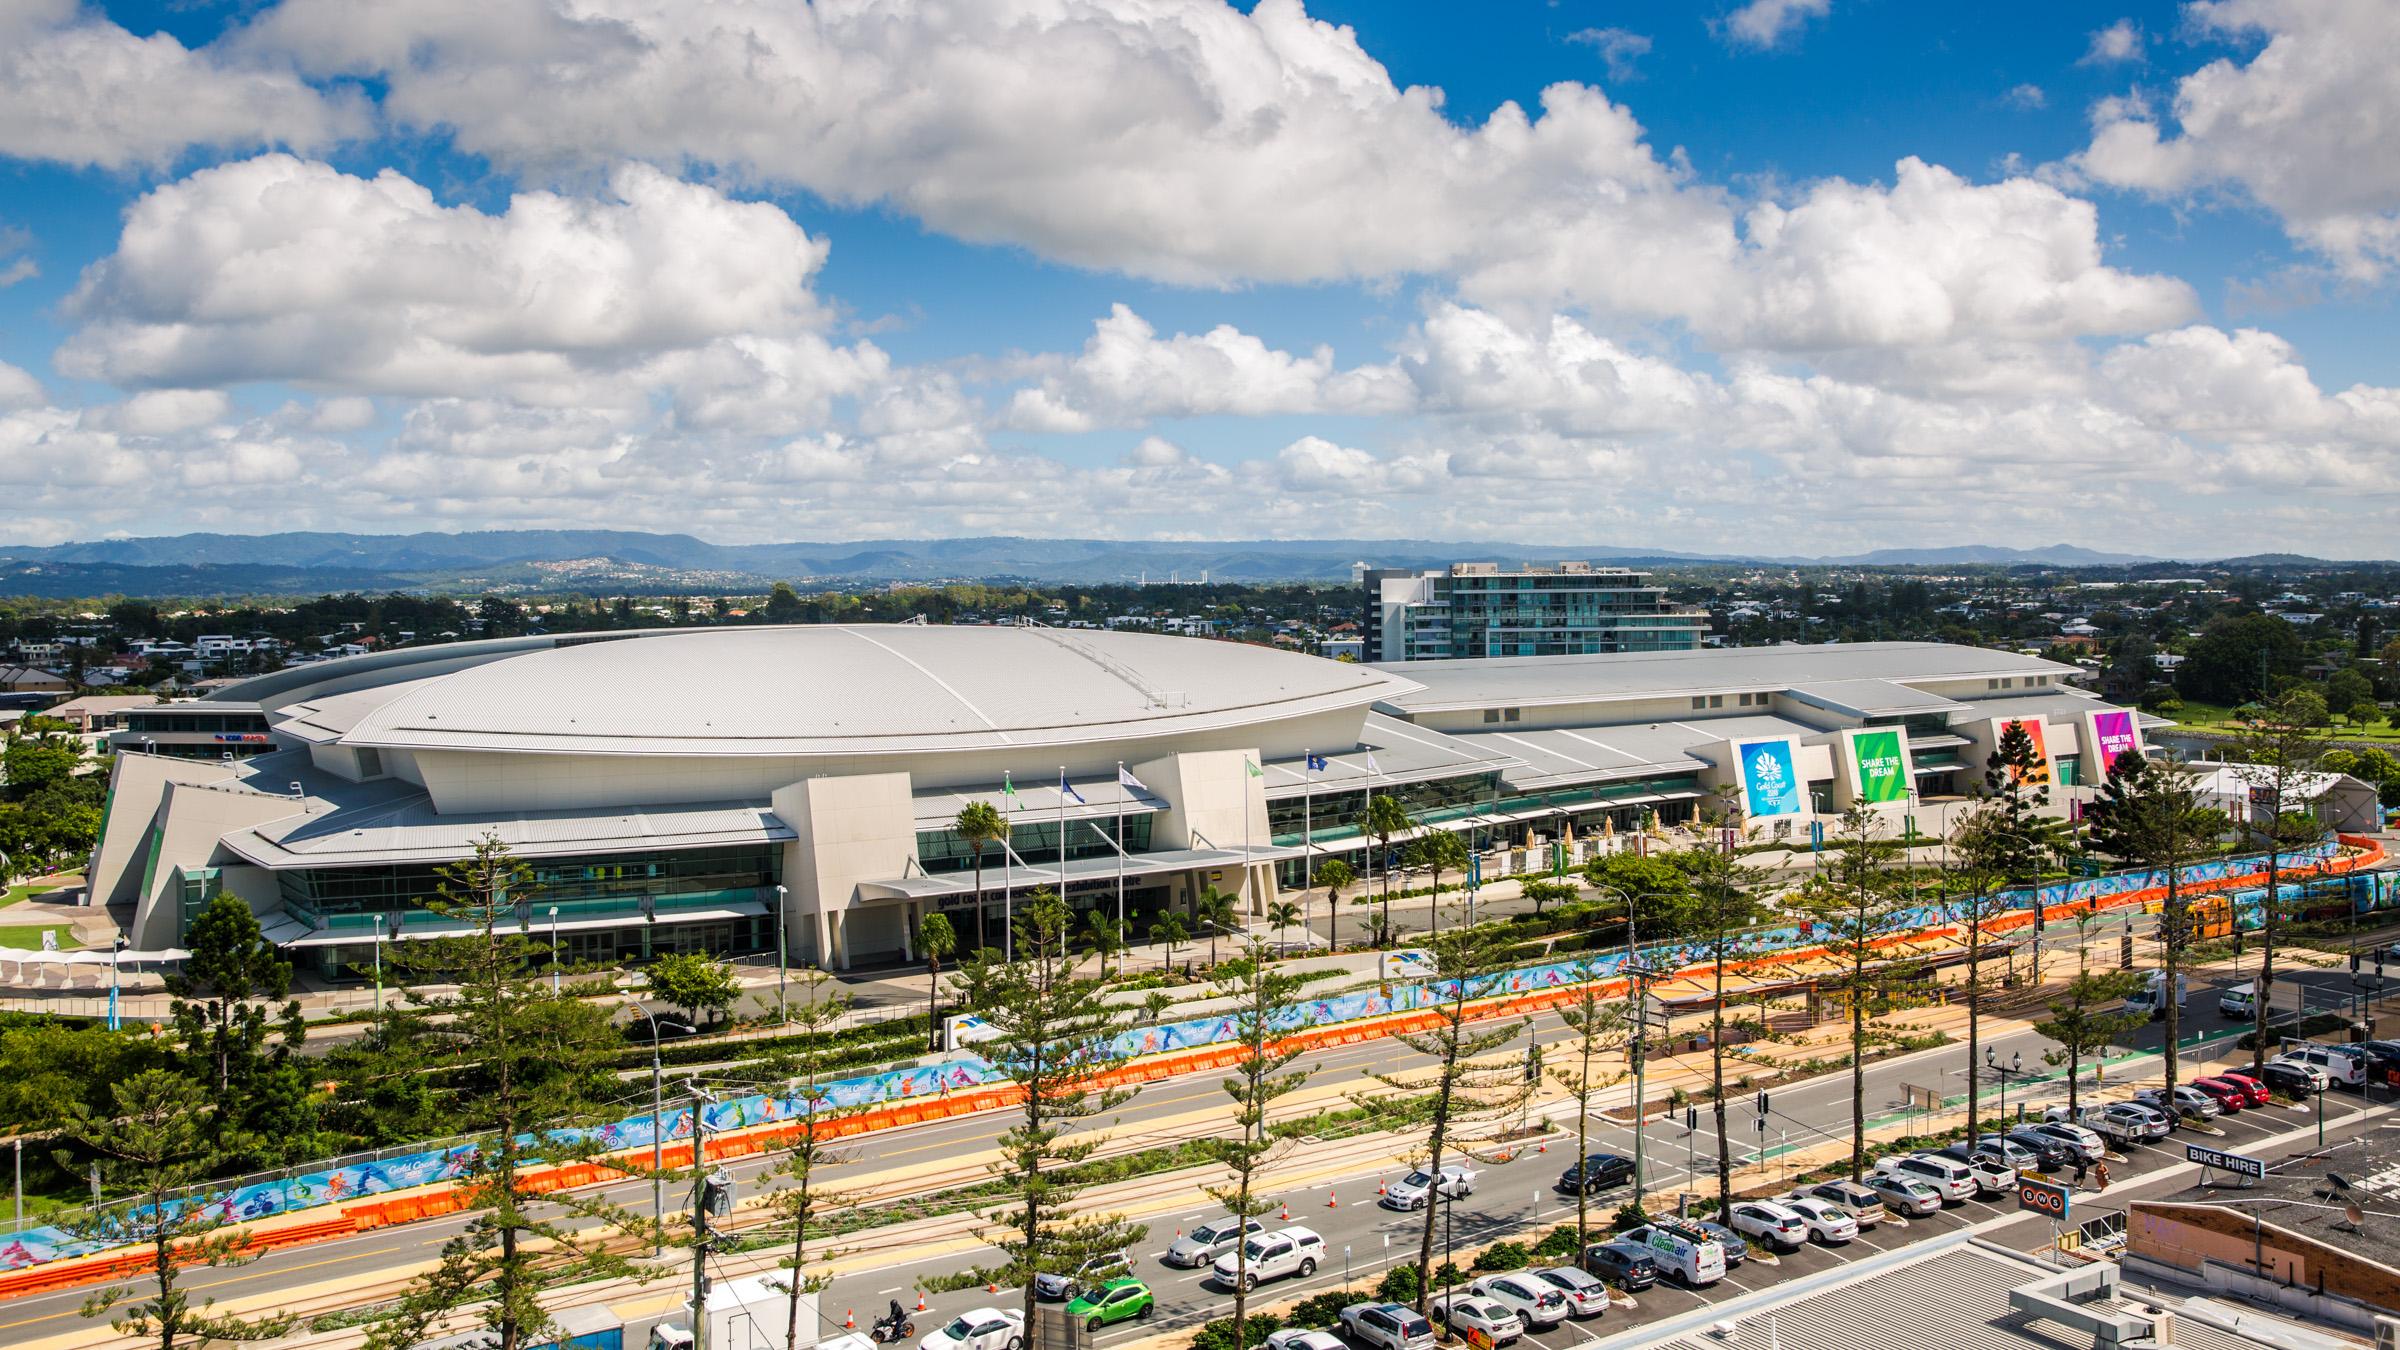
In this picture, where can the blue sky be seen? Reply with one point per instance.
(1794, 275)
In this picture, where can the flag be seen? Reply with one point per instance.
(1316, 764)
(1127, 781)
(1067, 789)
(1252, 766)
(1371, 763)
(1007, 788)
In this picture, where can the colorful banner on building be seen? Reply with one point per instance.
(1770, 779)
(1879, 767)
(2041, 744)
(2107, 736)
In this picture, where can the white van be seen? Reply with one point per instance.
(1684, 1254)
(2343, 1065)
(2150, 1000)
(2239, 1001)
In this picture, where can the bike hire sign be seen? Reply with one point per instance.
(1770, 778)
(2110, 734)
(1879, 767)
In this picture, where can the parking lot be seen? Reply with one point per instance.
(1513, 1200)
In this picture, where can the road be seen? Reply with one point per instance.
(1513, 1193)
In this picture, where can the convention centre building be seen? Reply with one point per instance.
(726, 789)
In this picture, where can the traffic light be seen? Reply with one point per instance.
(1762, 1103)
(1691, 1119)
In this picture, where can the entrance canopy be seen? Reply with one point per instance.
(931, 886)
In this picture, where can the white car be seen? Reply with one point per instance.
(1301, 1338)
(1586, 1295)
(982, 1329)
(1951, 1180)
(1772, 1222)
(1466, 1314)
(1829, 1224)
(1387, 1326)
(1412, 1191)
(1536, 1302)
(1271, 1256)
(2341, 1068)
(1905, 1195)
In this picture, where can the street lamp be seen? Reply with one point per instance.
(379, 964)
(116, 954)
(781, 1014)
(658, 1171)
(2014, 1067)
(554, 951)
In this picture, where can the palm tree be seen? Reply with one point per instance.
(1436, 852)
(1106, 937)
(1168, 928)
(1383, 818)
(937, 939)
(1333, 874)
(981, 825)
(1282, 914)
(1216, 909)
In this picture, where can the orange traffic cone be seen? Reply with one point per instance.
(1380, 1188)
(849, 1320)
(1287, 1212)
(1330, 1202)
(991, 1289)
(921, 1301)
(1541, 1148)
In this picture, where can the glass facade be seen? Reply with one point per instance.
(586, 886)
(1332, 816)
(1036, 841)
(1566, 610)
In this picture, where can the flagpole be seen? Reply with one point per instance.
(1008, 869)
(1062, 834)
(1124, 942)
(1249, 882)
(1308, 842)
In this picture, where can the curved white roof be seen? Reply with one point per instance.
(868, 688)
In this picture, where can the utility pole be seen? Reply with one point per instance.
(701, 1185)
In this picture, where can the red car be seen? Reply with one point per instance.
(2256, 1090)
(2232, 1097)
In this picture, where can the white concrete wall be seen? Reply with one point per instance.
(1213, 797)
(193, 816)
(137, 784)
(850, 829)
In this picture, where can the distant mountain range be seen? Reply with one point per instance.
(626, 561)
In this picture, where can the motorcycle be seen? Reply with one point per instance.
(889, 1329)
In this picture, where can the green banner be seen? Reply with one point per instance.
(1882, 768)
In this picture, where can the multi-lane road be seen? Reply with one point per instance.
(1513, 1193)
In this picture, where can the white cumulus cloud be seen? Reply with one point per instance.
(1764, 23)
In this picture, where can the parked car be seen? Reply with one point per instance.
(2121, 1123)
(1829, 1224)
(1992, 1176)
(2069, 1135)
(1387, 1326)
(1585, 1295)
(2013, 1153)
(1864, 1202)
(1465, 1315)
(1417, 1189)
(1122, 1299)
(1053, 1287)
(2294, 1077)
(1271, 1256)
(982, 1329)
(1537, 1303)
(1622, 1264)
(2190, 1102)
(2341, 1067)
(1304, 1338)
(1905, 1195)
(1595, 1174)
(1209, 1241)
(1682, 1252)
(2050, 1151)
(2259, 1096)
(1779, 1226)
(1951, 1180)
(2229, 1099)
(1737, 1248)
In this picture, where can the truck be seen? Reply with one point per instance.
(2150, 999)
(744, 1314)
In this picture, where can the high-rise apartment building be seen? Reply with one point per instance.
(1539, 609)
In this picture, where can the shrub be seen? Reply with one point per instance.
(1629, 1215)
(1502, 1256)
(1448, 1276)
(1398, 1285)
(1324, 1310)
(1559, 1241)
(1218, 1335)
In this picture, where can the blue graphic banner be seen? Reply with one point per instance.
(1770, 778)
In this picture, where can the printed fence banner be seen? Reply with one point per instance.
(964, 1072)
(2035, 730)
(2107, 736)
(1770, 778)
(1879, 766)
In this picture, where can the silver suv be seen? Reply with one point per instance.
(1209, 1241)
(1387, 1326)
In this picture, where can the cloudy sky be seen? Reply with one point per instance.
(1784, 275)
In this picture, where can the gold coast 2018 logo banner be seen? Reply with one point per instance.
(1770, 783)
(1882, 766)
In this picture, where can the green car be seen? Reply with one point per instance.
(1119, 1300)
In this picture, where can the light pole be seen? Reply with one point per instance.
(781, 1014)
(658, 1171)
(554, 951)
(379, 965)
(115, 956)
(2014, 1067)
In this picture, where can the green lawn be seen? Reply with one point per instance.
(2211, 717)
(29, 936)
